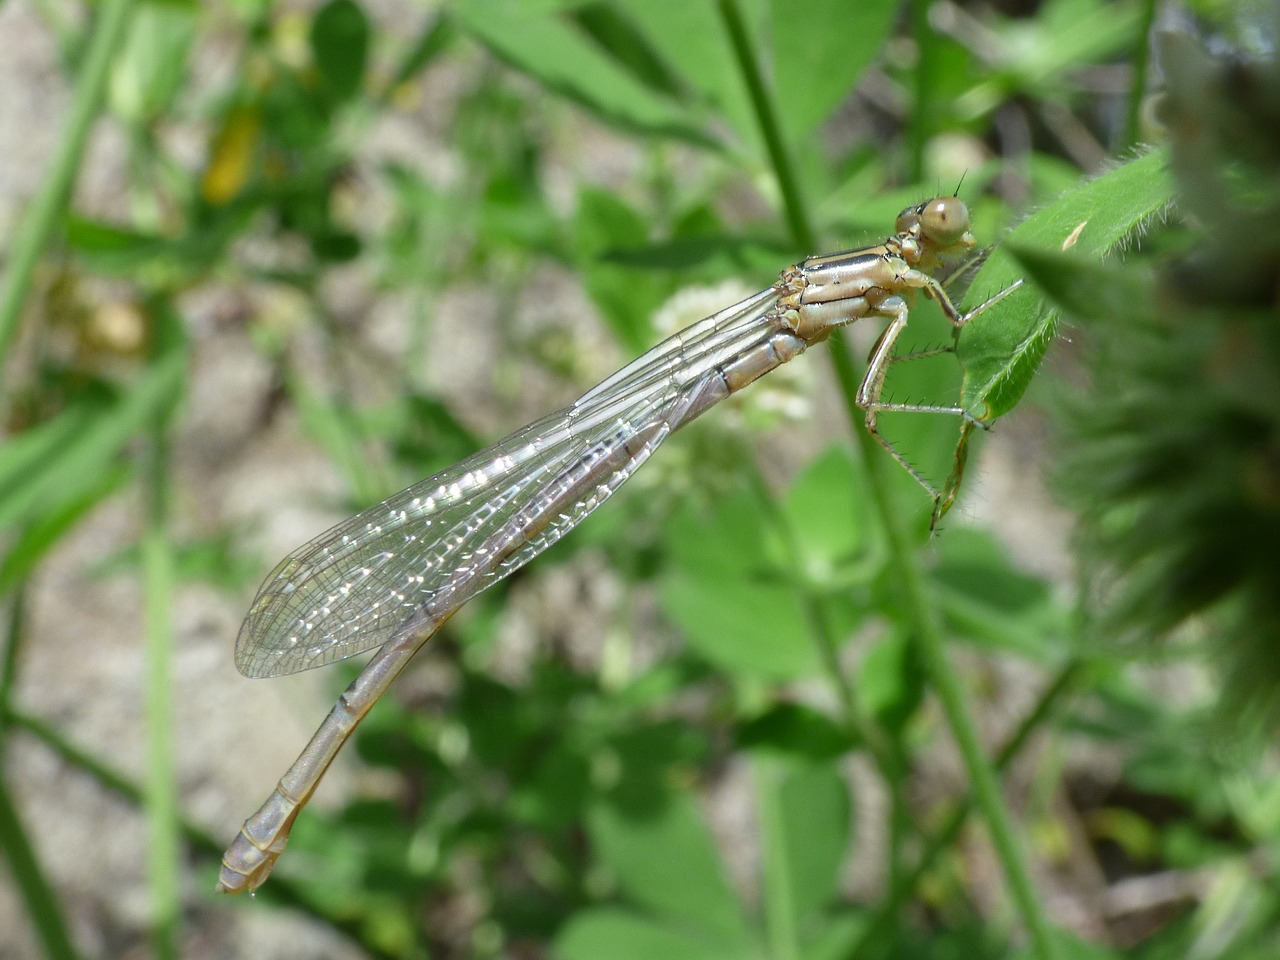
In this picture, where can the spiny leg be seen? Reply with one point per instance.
(882, 357)
(951, 488)
(886, 406)
(953, 314)
(872, 387)
(921, 354)
(871, 391)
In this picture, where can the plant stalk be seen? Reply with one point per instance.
(47, 207)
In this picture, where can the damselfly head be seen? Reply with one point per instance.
(942, 222)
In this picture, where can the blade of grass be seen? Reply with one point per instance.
(334, 423)
(37, 894)
(282, 891)
(55, 463)
(921, 611)
(43, 215)
(9, 663)
(42, 906)
(158, 578)
(161, 789)
(30, 543)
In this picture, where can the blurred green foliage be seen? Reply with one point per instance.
(578, 807)
(1177, 474)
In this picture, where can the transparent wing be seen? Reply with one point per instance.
(359, 584)
(691, 350)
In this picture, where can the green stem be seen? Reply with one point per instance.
(919, 608)
(987, 795)
(923, 612)
(946, 836)
(799, 224)
(161, 791)
(857, 722)
(1141, 65)
(920, 122)
(788, 184)
(47, 207)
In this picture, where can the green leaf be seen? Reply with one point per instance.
(103, 241)
(792, 729)
(691, 38)
(566, 61)
(628, 298)
(727, 593)
(729, 542)
(1064, 35)
(46, 470)
(152, 65)
(805, 813)
(668, 863)
(828, 511)
(987, 599)
(1086, 289)
(1001, 350)
(650, 758)
(431, 42)
(340, 45)
(820, 49)
(553, 795)
(751, 628)
(154, 259)
(623, 935)
(615, 33)
(37, 537)
(24, 456)
(891, 679)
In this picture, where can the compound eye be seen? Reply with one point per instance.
(944, 220)
(908, 219)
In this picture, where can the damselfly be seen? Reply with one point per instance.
(392, 575)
